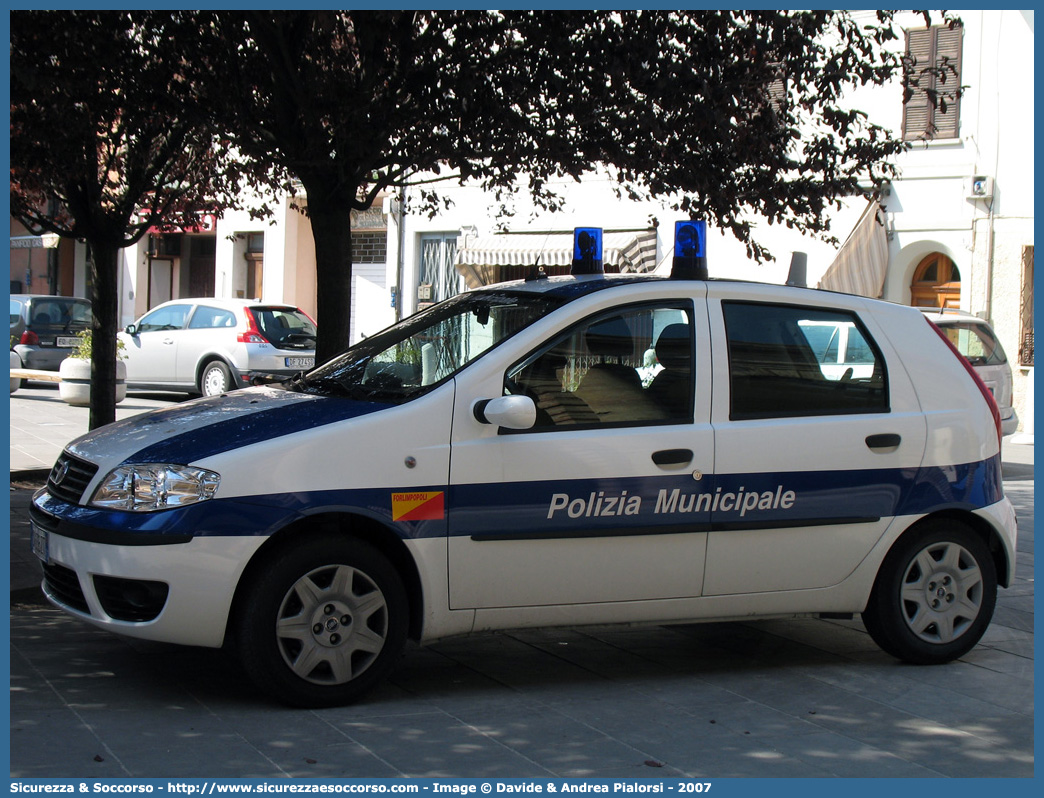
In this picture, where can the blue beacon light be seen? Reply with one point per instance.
(587, 251)
(690, 250)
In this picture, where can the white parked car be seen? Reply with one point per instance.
(975, 339)
(495, 462)
(210, 346)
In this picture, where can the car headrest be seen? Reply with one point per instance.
(673, 346)
(610, 338)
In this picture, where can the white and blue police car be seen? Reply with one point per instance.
(584, 449)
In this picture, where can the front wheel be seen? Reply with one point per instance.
(934, 595)
(322, 623)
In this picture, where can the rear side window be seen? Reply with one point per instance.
(207, 317)
(16, 311)
(787, 361)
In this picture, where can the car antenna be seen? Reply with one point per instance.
(537, 272)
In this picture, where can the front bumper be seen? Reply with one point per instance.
(197, 580)
(169, 588)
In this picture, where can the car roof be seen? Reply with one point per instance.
(570, 287)
(943, 315)
(223, 302)
(50, 297)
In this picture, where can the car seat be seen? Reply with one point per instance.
(611, 388)
(672, 387)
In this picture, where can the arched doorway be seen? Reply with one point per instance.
(936, 283)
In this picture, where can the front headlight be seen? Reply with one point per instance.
(155, 486)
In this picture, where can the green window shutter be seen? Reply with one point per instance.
(948, 56)
(938, 47)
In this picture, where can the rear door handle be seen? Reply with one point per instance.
(884, 440)
(672, 457)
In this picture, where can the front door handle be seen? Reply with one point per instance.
(884, 440)
(673, 457)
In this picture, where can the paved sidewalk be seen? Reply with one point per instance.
(771, 699)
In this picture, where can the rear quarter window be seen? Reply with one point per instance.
(784, 362)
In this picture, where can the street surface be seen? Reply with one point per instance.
(797, 698)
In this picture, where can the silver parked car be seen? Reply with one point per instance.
(210, 346)
(975, 339)
(44, 328)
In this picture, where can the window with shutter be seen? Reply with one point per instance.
(932, 106)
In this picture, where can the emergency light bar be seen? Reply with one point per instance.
(690, 251)
(587, 251)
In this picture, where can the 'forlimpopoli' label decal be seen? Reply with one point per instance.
(421, 506)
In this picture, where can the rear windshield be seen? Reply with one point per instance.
(286, 327)
(62, 312)
(976, 342)
(421, 352)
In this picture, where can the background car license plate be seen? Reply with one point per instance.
(300, 362)
(67, 341)
(38, 539)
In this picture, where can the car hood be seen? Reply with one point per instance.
(194, 430)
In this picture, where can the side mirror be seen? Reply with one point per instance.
(511, 412)
(131, 329)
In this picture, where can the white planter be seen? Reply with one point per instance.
(16, 363)
(75, 386)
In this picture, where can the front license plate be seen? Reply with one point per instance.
(38, 538)
(300, 362)
(66, 341)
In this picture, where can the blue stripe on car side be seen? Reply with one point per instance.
(584, 508)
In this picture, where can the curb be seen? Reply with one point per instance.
(30, 475)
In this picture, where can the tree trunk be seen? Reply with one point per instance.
(332, 232)
(105, 310)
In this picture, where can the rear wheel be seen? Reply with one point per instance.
(216, 379)
(934, 595)
(323, 622)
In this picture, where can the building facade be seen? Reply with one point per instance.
(955, 230)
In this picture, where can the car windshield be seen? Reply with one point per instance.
(419, 353)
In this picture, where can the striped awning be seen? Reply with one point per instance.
(483, 260)
(862, 262)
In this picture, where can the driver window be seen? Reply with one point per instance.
(620, 369)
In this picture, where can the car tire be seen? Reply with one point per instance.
(216, 379)
(322, 622)
(934, 595)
